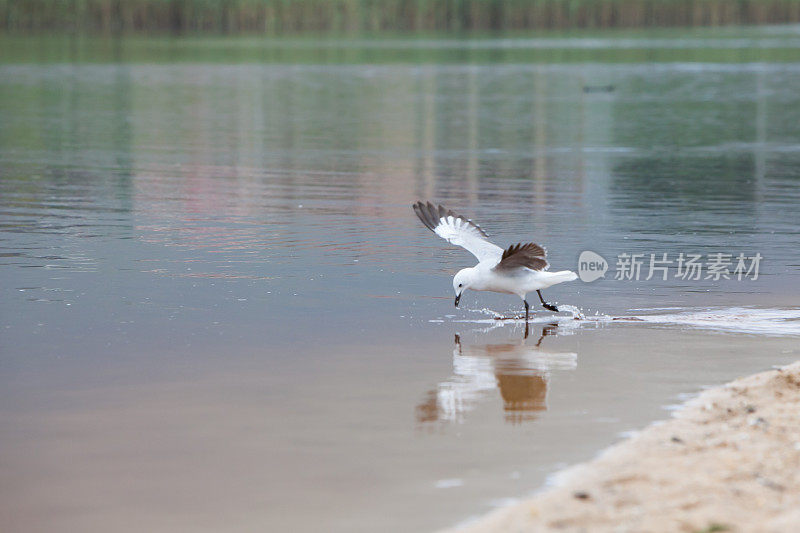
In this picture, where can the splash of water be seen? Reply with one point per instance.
(734, 319)
(486, 311)
(577, 314)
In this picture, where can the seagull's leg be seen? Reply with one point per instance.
(546, 305)
(527, 309)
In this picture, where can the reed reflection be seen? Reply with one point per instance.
(519, 371)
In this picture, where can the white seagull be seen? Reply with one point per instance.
(519, 269)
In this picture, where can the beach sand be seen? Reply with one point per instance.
(728, 461)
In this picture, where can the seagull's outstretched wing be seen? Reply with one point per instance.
(457, 230)
(528, 255)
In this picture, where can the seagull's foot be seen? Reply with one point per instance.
(550, 307)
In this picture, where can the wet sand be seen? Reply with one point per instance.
(727, 461)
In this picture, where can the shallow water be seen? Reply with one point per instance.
(219, 311)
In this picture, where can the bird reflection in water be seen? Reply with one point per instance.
(520, 371)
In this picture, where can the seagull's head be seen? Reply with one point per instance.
(462, 281)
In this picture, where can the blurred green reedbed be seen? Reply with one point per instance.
(291, 16)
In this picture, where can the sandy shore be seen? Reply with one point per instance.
(728, 461)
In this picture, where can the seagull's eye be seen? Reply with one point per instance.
(460, 285)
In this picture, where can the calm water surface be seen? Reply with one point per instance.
(219, 312)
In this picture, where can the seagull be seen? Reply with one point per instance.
(519, 269)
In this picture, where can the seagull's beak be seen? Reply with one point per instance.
(458, 299)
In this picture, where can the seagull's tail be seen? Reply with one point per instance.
(560, 277)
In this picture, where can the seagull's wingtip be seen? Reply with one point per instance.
(425, 212)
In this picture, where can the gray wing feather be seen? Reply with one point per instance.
(431, 215)
(529, 255)
(457, 230)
